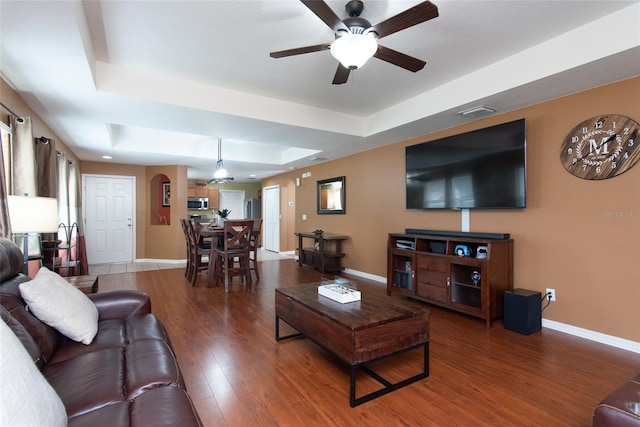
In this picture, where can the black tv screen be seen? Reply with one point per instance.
(481, 169)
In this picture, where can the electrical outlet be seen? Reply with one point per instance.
(552, 292)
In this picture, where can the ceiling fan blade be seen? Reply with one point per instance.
(417, 14)
(300, 50)
(342, 74)
(324, 12)
(400, 59)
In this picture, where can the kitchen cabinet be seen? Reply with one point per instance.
(214, 198)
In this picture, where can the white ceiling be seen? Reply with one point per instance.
(157, 82)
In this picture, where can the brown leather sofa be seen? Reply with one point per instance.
(127, 376)
(621, 408)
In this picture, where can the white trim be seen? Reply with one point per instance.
(5, 127)
(366, 275)
(599, 337)
(159, 261)
(464, 218)
(622, 343)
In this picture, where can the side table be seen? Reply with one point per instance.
(87, 284)
(320, 255)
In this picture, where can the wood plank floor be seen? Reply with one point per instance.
(239, 376)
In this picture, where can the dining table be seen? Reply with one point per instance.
(215, 233)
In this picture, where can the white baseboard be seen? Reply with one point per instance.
(373, 277)
(160, 261)
(621, 343)
(592, 335)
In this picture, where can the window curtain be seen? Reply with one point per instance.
(70, 212)
(5, 224)
(23, 179)
(46, 173)
(75, 215)
(46, 167)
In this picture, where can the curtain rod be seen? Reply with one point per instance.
(8, 109)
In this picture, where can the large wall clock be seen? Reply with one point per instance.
(601, 147)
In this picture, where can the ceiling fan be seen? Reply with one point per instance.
(356, 39)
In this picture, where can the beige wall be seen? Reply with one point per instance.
(565, 239)
(12, 100)
(162, 241)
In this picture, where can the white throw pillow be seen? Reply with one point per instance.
(26, 398)
(60, 305)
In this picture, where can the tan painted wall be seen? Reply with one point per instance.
(167, 242)
(578, 236)
(12, 100)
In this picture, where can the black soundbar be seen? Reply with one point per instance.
(471, 234)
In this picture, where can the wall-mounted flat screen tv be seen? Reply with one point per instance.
(481, 169)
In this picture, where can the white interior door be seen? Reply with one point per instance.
(108, 213)
(271, 224)
(234, 201)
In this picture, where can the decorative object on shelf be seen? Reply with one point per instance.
(462, 250)
(482, 252)
(316, 246)
(475, 277)
(340, 290)
(332, 196)
(601, 147)
(166, 194)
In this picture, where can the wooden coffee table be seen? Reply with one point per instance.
(360, 333)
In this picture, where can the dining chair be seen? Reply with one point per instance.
(197, 254)
(232, 257)
(255, 245)
(185, 230)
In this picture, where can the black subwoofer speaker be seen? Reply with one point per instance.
(523, 311)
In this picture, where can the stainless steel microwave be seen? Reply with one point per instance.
(198, 204)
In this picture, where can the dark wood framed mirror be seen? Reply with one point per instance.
(331, 196)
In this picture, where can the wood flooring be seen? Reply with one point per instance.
(238, 375)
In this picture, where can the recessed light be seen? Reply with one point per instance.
(253, 175)
(107, 157)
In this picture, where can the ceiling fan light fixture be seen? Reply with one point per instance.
(354, 50)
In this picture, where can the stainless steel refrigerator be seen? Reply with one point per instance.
(252, 209)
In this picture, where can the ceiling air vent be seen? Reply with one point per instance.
(478, 111)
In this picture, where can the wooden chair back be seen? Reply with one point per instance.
(237, 235)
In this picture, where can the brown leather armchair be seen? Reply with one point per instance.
(621, 408)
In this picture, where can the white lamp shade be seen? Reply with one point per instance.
(33, 214)
(354, 50)
(220, 171)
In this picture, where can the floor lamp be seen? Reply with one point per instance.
(30, 215)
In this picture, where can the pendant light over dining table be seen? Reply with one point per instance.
(220, 175)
